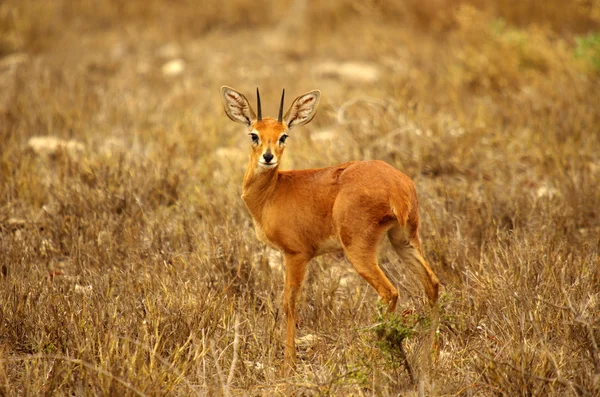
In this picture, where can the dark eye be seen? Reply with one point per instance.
(282, 139)
(254, 138)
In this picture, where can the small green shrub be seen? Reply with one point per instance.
(588, 49)
(392, 329)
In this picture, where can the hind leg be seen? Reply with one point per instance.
(408, 249)
(361, 252)
(407, 245)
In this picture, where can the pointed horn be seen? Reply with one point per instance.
(280, 118)
(258, 105)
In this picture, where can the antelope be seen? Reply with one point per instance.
(345, 208)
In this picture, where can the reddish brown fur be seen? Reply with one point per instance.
(349, 207)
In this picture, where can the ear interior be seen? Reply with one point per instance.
(237, 107)
(303, 109)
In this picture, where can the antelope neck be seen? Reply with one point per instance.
(258, 186)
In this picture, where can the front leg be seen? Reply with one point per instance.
(295, 271)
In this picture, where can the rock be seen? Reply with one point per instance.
(174, 67)
(16, 223)
(50, 146)
(83, 289)
(351, 71)
(326, 135)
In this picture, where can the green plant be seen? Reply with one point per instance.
(588, 49)
(392, 329)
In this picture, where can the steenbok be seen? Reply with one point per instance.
(344, 208)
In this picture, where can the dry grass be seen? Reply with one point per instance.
(129, 263)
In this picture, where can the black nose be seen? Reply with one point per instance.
(268, 156)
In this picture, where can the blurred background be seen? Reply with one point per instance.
(130, 265)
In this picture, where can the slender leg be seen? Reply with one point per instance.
(408, 247)
(363, 256)
(409, 251)
(295, 270)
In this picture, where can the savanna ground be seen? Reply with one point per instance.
(129, 262)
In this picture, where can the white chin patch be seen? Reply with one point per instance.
(267, 166)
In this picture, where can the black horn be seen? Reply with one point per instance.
(258, 105)
(280, 118)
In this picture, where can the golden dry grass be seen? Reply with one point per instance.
(130, 265)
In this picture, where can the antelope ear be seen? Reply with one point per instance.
(237, 107)
(303, 109)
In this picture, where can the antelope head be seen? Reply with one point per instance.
(268, 135)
